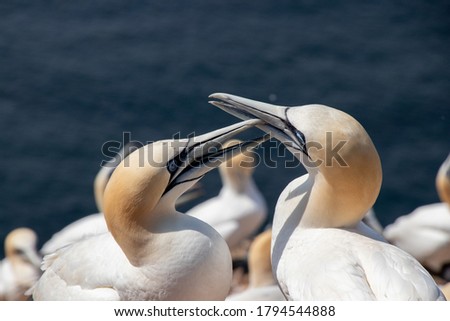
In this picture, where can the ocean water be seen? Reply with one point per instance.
(74, 75)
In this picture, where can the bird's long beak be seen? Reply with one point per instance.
(275, 118)
(203, 153)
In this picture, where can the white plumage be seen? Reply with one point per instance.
(153, 252)
(320, 248)
(239, 209)
(425, 232)
(19, 270)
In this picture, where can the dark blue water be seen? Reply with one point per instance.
(74, 75)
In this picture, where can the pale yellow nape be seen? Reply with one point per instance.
(348, 182)
(133, 193)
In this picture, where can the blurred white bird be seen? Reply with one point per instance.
(19, 270)
(240, 208)
(153, 252)
(425, 233)
(262, 285)
(320, 248)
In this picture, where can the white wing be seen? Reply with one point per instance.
(87, 226)
(76, 273)
(335, 264)
(395, 275)
(423, 232)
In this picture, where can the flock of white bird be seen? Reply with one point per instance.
(140, 247)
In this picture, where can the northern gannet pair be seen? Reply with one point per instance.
(152, 252)
(262, 285)
(320, 248)
(19, 270)
(239, 209)
(425, 233)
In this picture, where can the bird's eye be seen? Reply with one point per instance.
(19, 252)
(300, 137)
(172, 166)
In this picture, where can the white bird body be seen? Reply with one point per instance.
(235, 214)
(179, 262)
(320, 248)
(19, 270)
(152, 252)
(330, 267)
(14, 281)
(347, 263)
(425, 232)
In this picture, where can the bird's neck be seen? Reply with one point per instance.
(261, 278)
(312, 202)
(331, 206)
(135, 233)
(238, 183)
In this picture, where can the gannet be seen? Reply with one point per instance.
(425, 233)
(19, 270)
(262, 285)
(94, 224)
(152, 252)
(320, 248)
(240, 208)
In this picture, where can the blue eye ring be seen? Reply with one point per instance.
(172, 166)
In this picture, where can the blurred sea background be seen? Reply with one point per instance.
(74, 75)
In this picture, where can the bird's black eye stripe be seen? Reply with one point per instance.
(300, 136)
